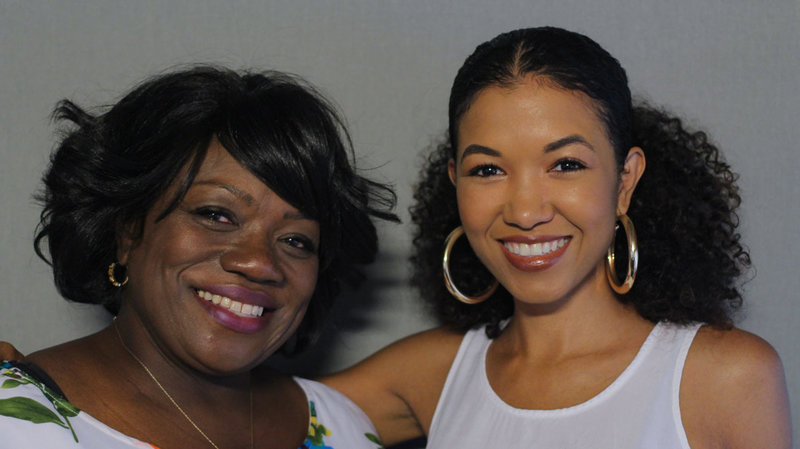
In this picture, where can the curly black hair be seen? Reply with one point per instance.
(684, 207)
(110, 169)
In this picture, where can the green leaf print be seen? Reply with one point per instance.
(29, 410)
(11, 383)
(33, 411)
(63, 407)
(374, 438)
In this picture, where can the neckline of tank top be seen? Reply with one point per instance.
(615, 385)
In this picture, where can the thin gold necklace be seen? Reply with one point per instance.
(164, 390)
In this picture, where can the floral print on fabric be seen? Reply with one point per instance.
(317, 433)
(34, 413)
(30, 410)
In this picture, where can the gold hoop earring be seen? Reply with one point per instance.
(448, 280)
(113, 279)
(633, 258)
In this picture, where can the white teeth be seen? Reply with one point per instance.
(535, 249)
(238, 308)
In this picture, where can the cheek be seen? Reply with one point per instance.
(477, 205)
(592, 202)
(303, 275)
(165, 247)
(310, 276)
(304, 279)
(592, 208)
(182, 246)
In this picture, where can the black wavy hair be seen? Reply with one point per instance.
(684, 208)
(109, 169)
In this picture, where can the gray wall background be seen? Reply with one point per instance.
(729, 66)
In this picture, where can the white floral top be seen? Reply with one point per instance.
(35, 415)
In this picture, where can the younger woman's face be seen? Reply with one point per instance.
(222, 281)
(539, 188)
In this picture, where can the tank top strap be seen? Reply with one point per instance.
(470, 356)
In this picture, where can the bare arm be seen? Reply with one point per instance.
(734, 394)
(9, 352)
(399, 386)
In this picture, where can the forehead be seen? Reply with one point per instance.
(217, 158)
(216, 166)
(219, 168)
(530, 109)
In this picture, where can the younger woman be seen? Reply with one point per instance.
(609, 235)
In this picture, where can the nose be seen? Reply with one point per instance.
(255, 259)
(527, 204)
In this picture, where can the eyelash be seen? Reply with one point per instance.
(214, 215)
(480, 170)
(301, 243)
(566, 165)
(576, 165)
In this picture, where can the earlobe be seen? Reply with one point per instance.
(451, 170)
(632, 171)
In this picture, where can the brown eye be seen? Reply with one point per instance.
(215, 215)
(302, 243)
(568, 165)
(485, 171)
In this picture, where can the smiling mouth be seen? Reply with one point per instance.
(535, 249)
(235, 307)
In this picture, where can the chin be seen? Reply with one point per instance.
(224, 358)
(537, 296)
(229, 366)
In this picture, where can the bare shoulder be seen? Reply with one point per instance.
(9, 352)
(399, 386)
(64, 358)
(75, 366)
(733, 391)
(733, 358)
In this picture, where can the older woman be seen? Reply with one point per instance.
(566, 345)
(206, 210)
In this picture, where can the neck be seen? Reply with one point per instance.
(193, 395)
(588, 319)
(135, 345)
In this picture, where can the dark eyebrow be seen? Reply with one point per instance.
(246, 197)
(550, 147)
(297, 215)
(479, 149)
(569, 140)
(242, 195)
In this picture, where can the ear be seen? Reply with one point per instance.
(632, 170)
(451, 170)
(126, 241)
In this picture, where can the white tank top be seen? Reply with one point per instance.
(639, 409)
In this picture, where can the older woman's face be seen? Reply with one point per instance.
(222, 281)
